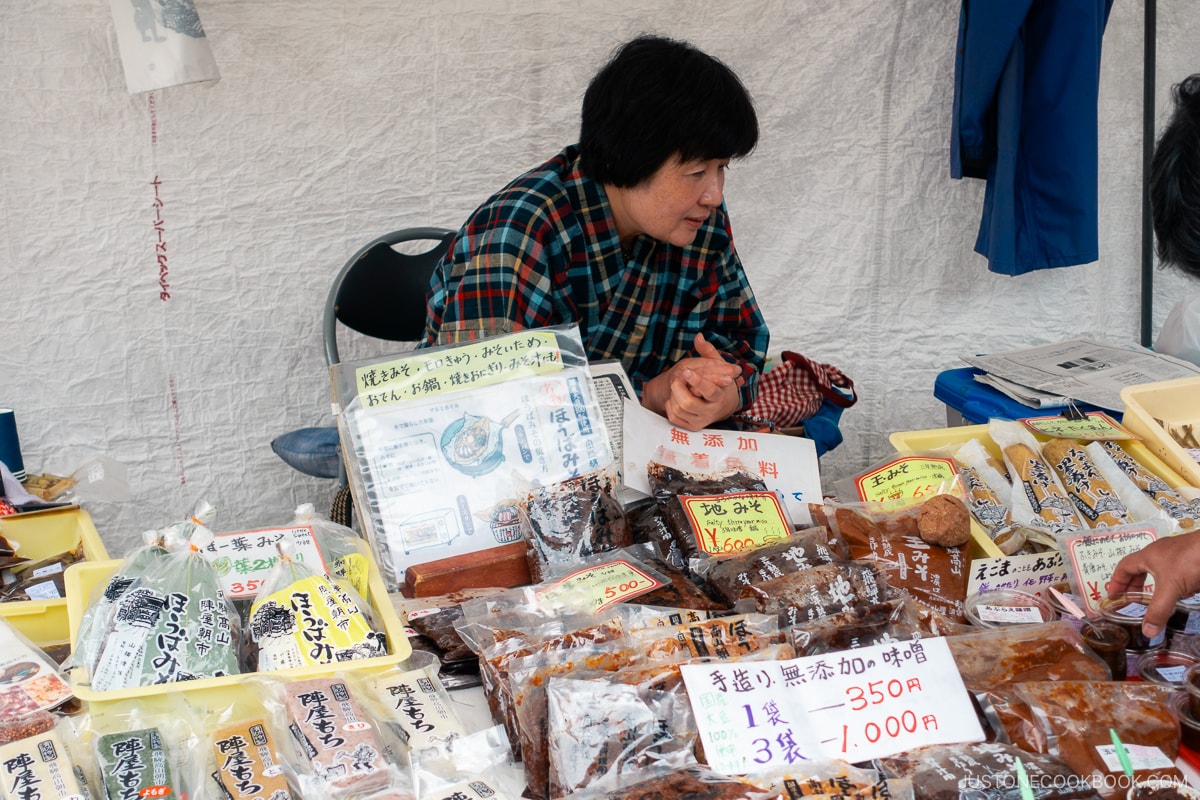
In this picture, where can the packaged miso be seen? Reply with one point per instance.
(175, 624)
(305, 618)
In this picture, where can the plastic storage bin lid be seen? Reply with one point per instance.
(978, 402)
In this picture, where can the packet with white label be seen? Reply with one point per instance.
(466, 768)
(410, 699)
(144, 748)
(45, 765)
(303, 617)
(174, 624)
(1080, 719)
(330, 739)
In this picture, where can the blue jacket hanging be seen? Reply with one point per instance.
(1026, 79)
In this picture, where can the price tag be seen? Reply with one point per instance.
(853, 705)
(596, 588)
(730, 523)
(1009, 615)
(242, 560)
(1173, 674)
(1030, 572)
(1143, 758)
(909, 479)
(1095, 426)
(1093, 556)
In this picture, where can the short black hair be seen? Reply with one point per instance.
(656, 98)
(1175, 182)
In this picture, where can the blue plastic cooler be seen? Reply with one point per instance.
(969, 402)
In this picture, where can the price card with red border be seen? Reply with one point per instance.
(726, 524)
(242, 560)
(909, 479)
(1094, 426)
(1093, 555)
(596, 588)
(852, 705)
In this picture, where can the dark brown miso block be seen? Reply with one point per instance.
(500, 567)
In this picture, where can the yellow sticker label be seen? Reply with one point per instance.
(354, 568)
(909, 479)
(596, 588)
(1095, 426)
(323, 620)
(467, 366)
(730, 523)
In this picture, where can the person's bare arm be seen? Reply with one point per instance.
(1174, 562)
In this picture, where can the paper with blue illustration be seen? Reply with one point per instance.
(440, 439)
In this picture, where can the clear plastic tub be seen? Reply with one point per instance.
(1165, 667)
(1004, 607)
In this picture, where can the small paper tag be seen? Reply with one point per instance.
(1007, 615)
(1143, 757)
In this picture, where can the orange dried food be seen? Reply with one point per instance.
(1094, 497)
(1034, 478)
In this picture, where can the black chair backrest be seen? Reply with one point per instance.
(380, 292)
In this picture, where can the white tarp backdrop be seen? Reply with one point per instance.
(335, 122)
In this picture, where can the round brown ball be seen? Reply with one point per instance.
(944, 520)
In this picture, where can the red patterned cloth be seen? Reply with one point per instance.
(794, 390)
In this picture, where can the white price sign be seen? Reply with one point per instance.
(852, 705)
(242, 560)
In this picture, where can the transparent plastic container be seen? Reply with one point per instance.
(1004, 607)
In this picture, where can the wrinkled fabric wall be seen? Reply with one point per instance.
(334, 122)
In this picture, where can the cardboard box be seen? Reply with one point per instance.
(1176, 404)
(42, 534)
(981, 544)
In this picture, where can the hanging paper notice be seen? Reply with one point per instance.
(1033, 573)
(909, 479)
(730, 523)
(854, 705)
(470, 366)
(1094, 426)
(597, 588)
(1093, 555)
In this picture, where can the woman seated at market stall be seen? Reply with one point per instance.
(1174, 562)
(626, 234)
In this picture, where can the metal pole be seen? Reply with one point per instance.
(1148, 74)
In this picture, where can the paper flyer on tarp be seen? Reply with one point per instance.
(444, 437)
(786, 464)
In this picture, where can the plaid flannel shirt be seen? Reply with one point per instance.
(545, 251)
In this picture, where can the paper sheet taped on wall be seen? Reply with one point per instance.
(162, 44)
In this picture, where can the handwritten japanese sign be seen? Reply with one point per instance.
(596, 588)
(909, 479)
(471, 366)
(1095, 426)
(1093, 555)
(786, 464)
(730, 523)
(853, 705)
(1033, 573)
(242, 560)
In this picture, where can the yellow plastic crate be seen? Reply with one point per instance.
(84, 579)
(981, 544)
(43, 534)
(1175, 403)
